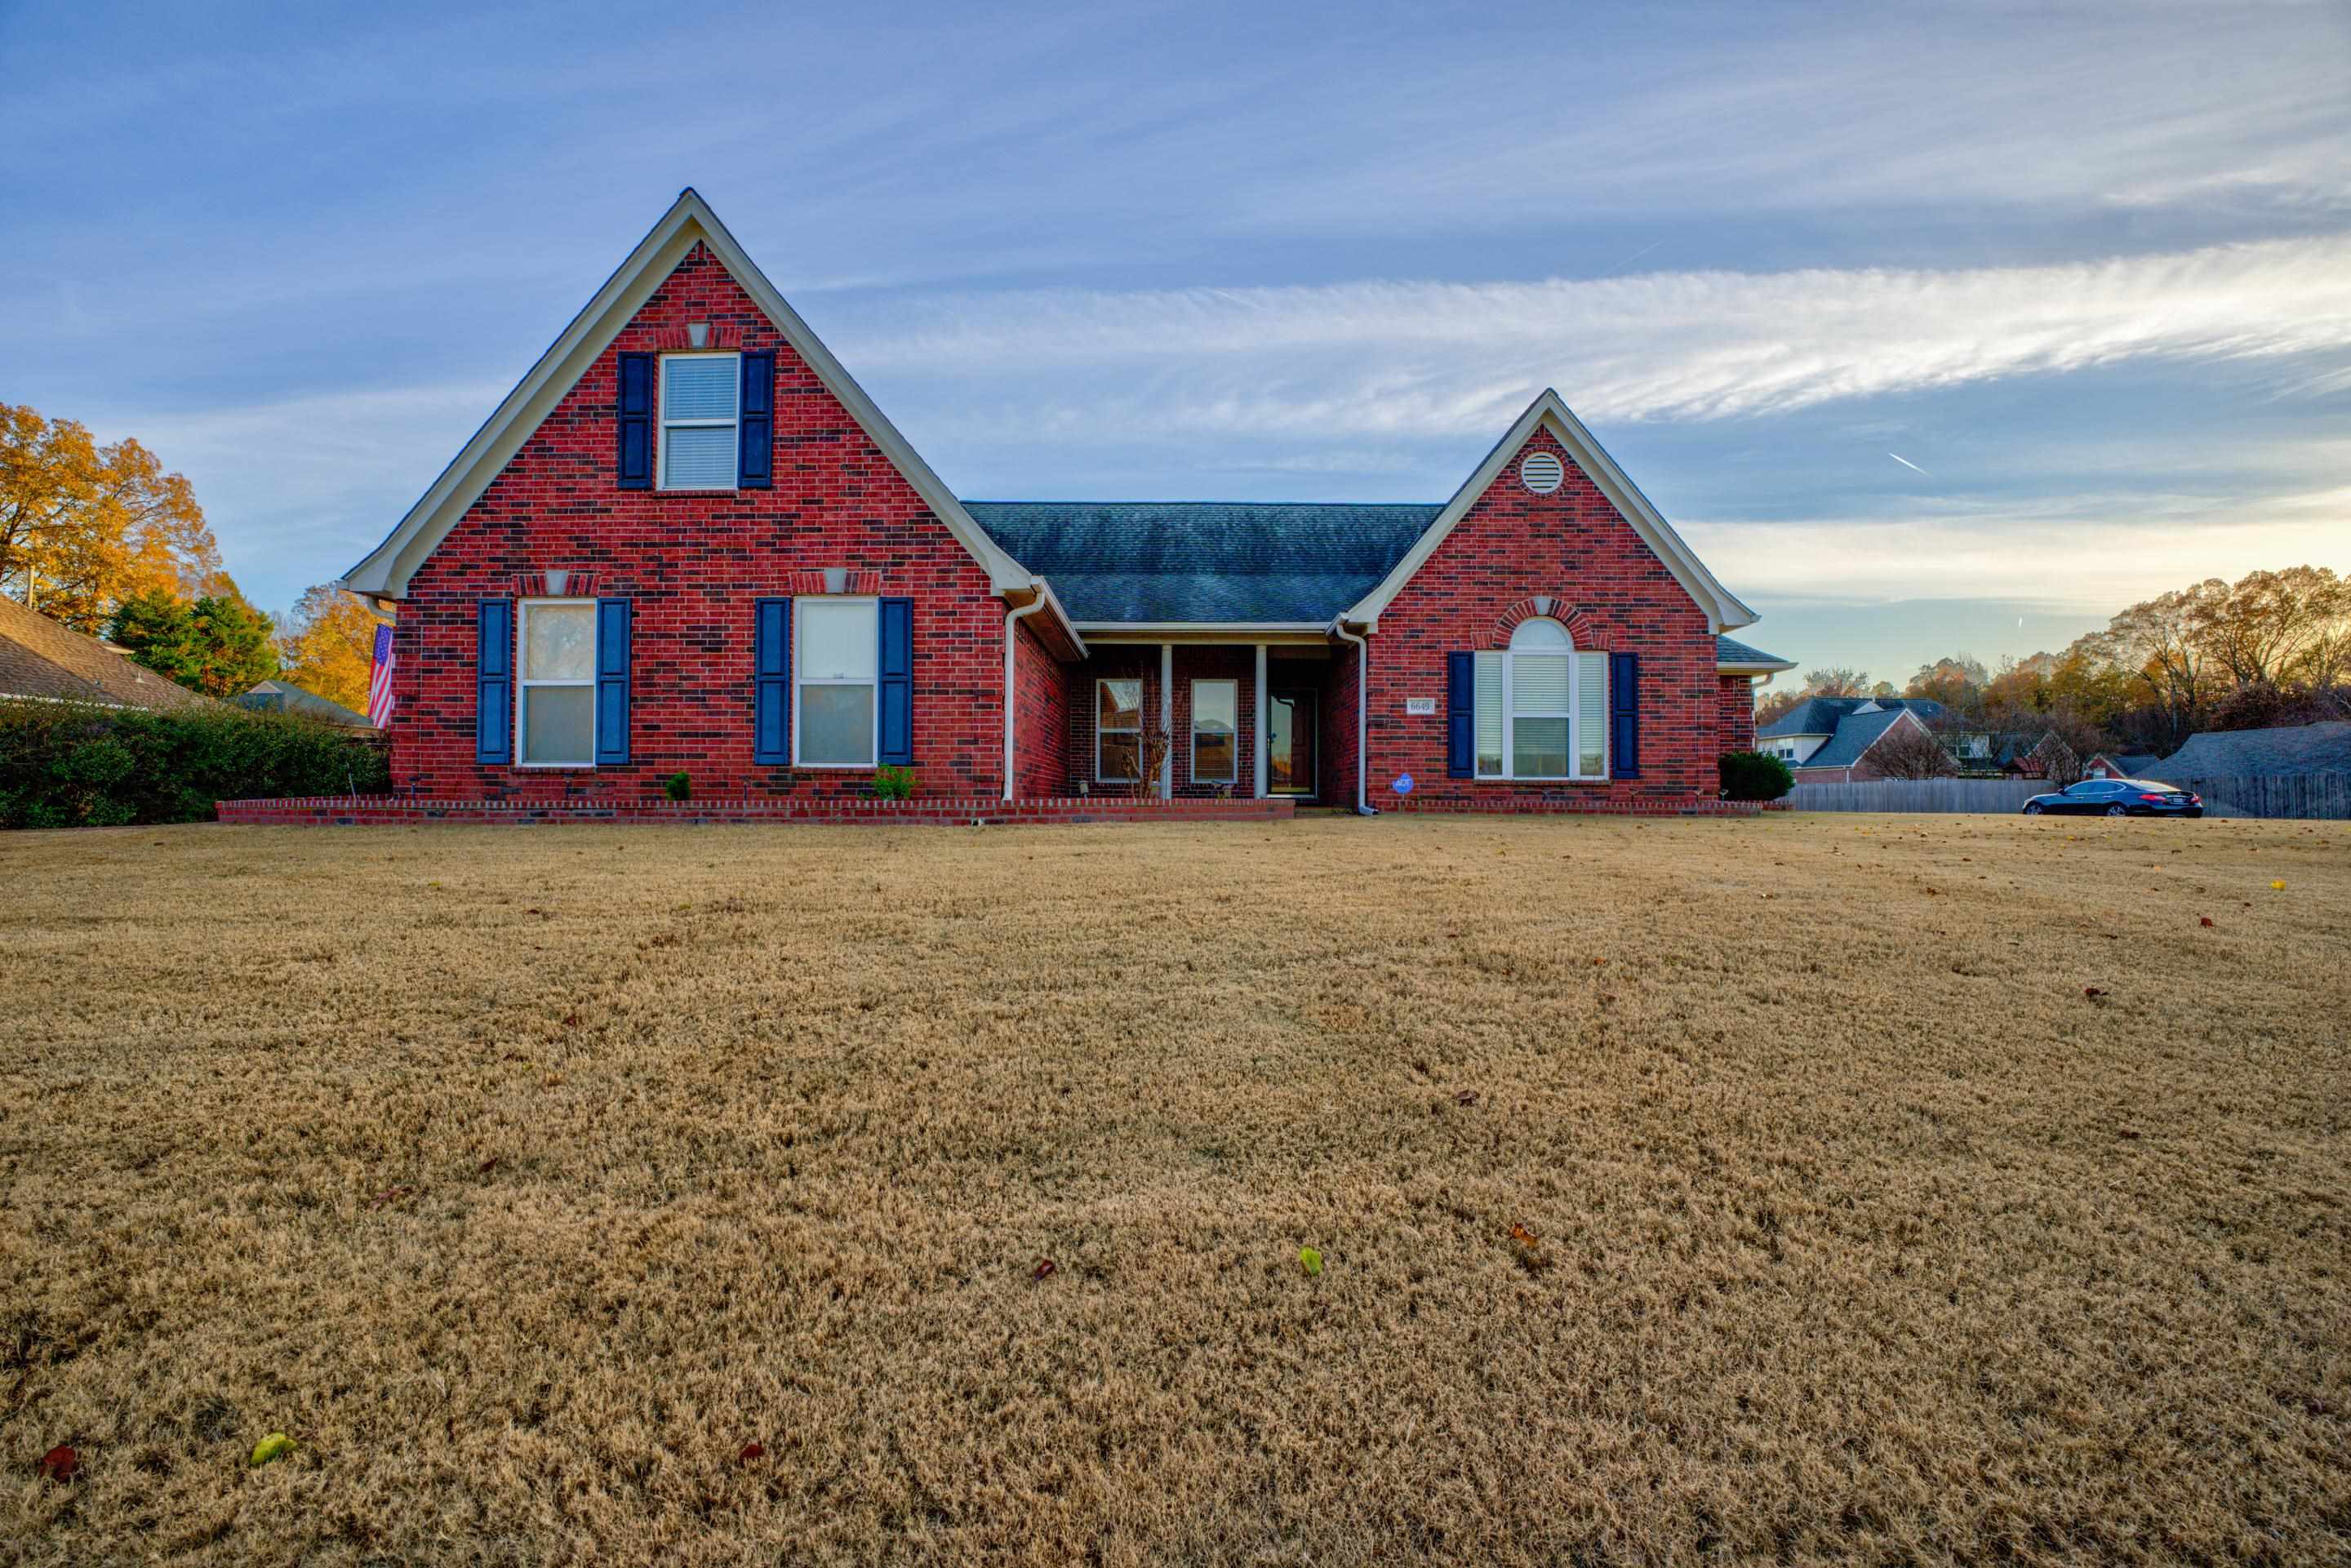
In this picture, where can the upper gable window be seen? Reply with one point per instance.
(701, 401)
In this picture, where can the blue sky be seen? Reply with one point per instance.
(2085, 271)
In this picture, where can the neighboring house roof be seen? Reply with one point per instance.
(1731, 653)
(1156, 561)
(39, 658)
(283, 696)
(2240, 753)
(1822, 716)
(1855, 734)
(2138, 764)
(1723, 611)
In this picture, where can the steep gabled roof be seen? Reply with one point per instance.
(1855, 734)
(41, 659)
(1723, 612)
(385, 571)
(2283, 751)
(1821, 715)
(1168, 563)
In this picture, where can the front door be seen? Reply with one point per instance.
(1290, 743)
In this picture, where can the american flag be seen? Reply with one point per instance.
(379, 680)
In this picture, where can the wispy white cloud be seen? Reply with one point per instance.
(1446, 358)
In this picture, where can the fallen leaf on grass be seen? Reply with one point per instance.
(487, 1166)
(1466, 1097)
(1044, 1267)
(1523, 1237)
(1310, 1260)
(2278, 886)
(750, 1451)
(2203, 920)
(273, 1448)
(2094, 990)
(62, 1463)
(390, 1195)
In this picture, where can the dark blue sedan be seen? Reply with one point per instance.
(2116, 798)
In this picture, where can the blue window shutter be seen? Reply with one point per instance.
(1624, 716)
(898, 681)
(636, 410)
(494, 681)
(756, 469)
(1460, 716)
(771, 681)
(612, 680)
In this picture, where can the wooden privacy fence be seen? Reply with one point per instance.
(2309, 795)
(1918, 795)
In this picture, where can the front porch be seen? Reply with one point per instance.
(1242, 720)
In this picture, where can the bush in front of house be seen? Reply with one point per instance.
(1751, 776)
(67, 765)
(893, 783)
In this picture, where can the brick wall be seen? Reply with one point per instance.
(1738, 720)
(1040, 715)
(693, 563)
(1510, 547)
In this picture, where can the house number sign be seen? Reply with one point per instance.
(1420, 707)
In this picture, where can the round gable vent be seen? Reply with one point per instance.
(1541, 473)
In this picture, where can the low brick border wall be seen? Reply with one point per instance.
(1569, 806)
(358, 810)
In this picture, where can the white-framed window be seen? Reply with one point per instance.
(836, 663)
(1215, 731)
(555, 695)
(701, 399)
(1118, 728)
(1541, 707)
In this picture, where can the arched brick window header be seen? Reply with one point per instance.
(1555, 606)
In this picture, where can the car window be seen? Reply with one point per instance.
(2088, 787)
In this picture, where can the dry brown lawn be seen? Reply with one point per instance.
(525, 1177)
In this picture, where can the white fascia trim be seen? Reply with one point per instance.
(1757, 667)
(1039, 589)
(1724, 611)
(385, 571)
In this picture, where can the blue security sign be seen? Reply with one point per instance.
(1404, 784)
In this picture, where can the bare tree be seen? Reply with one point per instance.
(1909, 750)
(1151, 749)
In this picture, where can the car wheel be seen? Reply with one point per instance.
(2116, 812)
(2032, 807)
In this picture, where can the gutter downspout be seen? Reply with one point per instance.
(1363, 712)
(1012, 643)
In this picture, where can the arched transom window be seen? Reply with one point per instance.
(1541, 706)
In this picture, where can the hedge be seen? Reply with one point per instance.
(1754, 776)
(66, 765)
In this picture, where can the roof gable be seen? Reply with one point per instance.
(1855, 734)
(1723, 612)
(384, 572)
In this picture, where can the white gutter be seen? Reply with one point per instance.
(1011, 646)
(1363, 712)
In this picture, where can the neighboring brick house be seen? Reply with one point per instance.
(1827, 741)
(688, 541)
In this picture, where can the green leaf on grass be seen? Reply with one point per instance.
(1310, 1260)
(276, 1445)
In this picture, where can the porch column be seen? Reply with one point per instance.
(1167, 719)
(1257, 745)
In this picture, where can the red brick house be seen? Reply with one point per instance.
(688, 541)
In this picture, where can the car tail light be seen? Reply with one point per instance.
(2151, 798)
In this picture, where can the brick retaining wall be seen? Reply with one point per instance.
(350, 810)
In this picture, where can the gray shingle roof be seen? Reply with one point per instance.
(1854, 735)
(284, 697)
(1204, 560)
(1731, 650)
(2237, 753)
(1822, 716)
